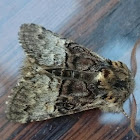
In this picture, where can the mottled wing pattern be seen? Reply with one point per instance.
(42, 45)
(49, 85)
(51, 50)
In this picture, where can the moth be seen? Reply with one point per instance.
(60, 77)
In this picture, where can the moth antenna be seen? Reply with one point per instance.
(133, 117)
(134, 104)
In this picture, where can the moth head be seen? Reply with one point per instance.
(117, 83)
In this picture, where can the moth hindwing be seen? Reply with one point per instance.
(60, 77)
